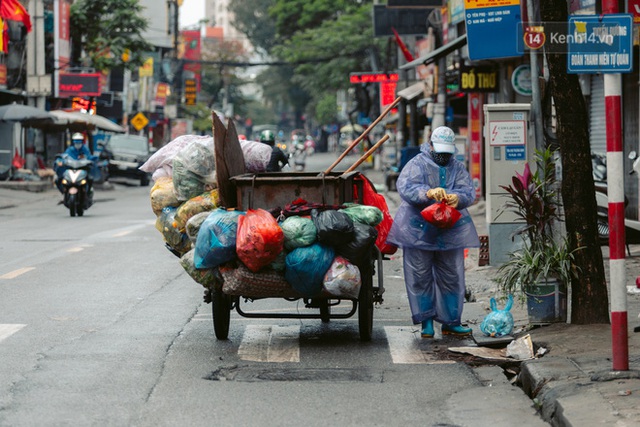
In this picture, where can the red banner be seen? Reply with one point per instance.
(475, 141)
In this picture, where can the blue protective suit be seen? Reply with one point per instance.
(433, 257)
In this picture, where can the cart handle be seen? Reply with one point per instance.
(363, 134)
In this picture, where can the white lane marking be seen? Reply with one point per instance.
(75, 249)
(15, 273)
(8, 329)
(270, 343)
(404, 346)
(123, 233)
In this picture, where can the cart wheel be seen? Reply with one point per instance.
(365, 310)
(221, 309)
(325, 310)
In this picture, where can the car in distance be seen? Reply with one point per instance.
(126, 154)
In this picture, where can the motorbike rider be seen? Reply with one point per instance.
(278, 158)
(77, 150)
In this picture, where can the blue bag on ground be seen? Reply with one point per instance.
(499, 322)
(216, 241)
(306, 267)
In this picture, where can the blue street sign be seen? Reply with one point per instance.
(600, 44)
(514, 152)
(489, 21)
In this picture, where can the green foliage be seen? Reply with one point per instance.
(533, 200)
(327, 109)
(105, 29)
(253, 20)
(334, 49)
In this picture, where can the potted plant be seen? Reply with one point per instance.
(542, 269)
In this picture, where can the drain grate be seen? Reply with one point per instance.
(253, 374)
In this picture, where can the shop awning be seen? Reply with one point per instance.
(438, 53)
(412, 92)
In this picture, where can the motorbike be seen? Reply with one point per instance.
(299, 157)
(631, 226)
(75, 183)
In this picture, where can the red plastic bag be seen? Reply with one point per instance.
(259, 240)
(441, 215)
(372, 198)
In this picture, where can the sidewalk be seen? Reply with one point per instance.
(572, 383)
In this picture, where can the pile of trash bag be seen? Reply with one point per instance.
(259, 253)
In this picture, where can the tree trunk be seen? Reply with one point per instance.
(589, 298)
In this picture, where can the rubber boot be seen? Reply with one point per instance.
(427, 329)
(457, 330)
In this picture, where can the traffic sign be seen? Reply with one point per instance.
(600, 44)
(139, 121)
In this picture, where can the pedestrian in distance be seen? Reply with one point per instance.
(434, 257)
(278, 158)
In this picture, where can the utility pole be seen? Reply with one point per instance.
(38, 83)
(177, 85)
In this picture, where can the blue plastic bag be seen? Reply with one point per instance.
(216, 241)
(306, 267)
(499, 322)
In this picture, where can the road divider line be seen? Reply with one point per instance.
(123, 233)
(15, 273)
(270, 343)
(404, 347)
(8, 329)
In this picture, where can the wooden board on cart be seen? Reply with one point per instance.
(229, 159)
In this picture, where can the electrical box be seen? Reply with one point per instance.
(509, 145)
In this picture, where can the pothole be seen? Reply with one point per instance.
(253, 374)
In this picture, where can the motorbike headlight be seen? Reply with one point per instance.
(64, 181)
(83, 182)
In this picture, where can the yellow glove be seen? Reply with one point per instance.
(452, 200)
(436, 193)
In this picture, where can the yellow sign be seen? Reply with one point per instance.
(139, 121)
(476, 4)
(147, 68)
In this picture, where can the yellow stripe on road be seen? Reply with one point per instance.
(15, 273)
(270, 343)
(6, 330)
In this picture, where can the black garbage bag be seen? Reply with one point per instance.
(334, 227)
(360, 246)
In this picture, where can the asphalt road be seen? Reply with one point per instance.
(101, 326)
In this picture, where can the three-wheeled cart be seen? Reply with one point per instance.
(276, 190)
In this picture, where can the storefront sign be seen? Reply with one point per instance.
(373, 77)
(491, 20)
(478, 79)
(78, 84)
(3, 74)
(521, 80)
(190, 92)
(634, 9)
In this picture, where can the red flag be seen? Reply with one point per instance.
(15, 11)
(403, 47)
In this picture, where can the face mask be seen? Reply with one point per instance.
(441, 159)
(78, 145)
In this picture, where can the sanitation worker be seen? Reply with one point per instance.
(434, 257)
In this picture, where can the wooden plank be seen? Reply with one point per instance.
(222, 174)
(233, 159)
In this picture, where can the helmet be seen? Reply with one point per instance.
(77, 137)
(268, 137)
(242, 137)
(443, 140)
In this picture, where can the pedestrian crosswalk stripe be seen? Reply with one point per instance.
(8, 329)
(15, 273)
(404, 346)
(270, 343)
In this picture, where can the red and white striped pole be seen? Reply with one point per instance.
(615, 184)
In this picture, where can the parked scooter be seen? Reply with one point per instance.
(75, 183)
(631, 226)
